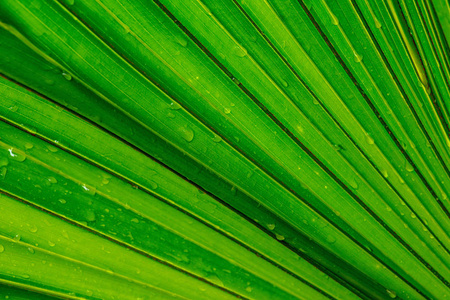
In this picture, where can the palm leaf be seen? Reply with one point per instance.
(214, 150)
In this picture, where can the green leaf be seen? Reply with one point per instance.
(215, 150)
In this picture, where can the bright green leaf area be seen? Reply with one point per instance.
(220, 150)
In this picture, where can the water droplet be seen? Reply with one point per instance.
(33, 228)
(90, 216)
(316, 102)
(369, 139)
(284, 83)
(334, 19)
(28, 146)
(171, 115)
(66, 76)
(271, 226)
(16, 238)
(52, 180)
(240, 52)
(13, 108)
(51, 244)
(377, 23)
(358, 58)
(31, 250)
(62, 201)
(217, 139)
(249, 289)
(181, 41)
(353, 184)
(88, 190)
(227, 110)
(105, 181)
(384, 173)
(187, 134)
(2, 248)
(134, 220)
(70, 2)
(175, 106)
(337, 147)
(65, 234)
(51, 148)
(331, 239)
(235, 80)
(409, 167)
(153, 185)
(392, 294)
(25, 276)
(279, 237)
(413, 215)
(16, 155)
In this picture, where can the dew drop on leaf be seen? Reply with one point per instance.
(52, 180)
(369, 139)
(217, 139)
(331, 239)
(279, 237)
(175, 106)
(409, 167)
(357, 57)
(391, 294)
(377, 23)
(66, 76)
(187, 134)
(33, 228)
(16, 155)
(240, 52)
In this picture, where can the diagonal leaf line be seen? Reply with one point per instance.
(124, 277)
(440, 32)
(396, 141)
(245, 155)
(292, 136)
(416, 116)
(337, 124)
(35, 289)
(173, 205)
(198, 43)
(433, 94)
(447, 51)
(144, 215)
(391, 231)
(329, 172)
(116, 241)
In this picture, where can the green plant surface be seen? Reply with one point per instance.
(213, 150)
(59, 83)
